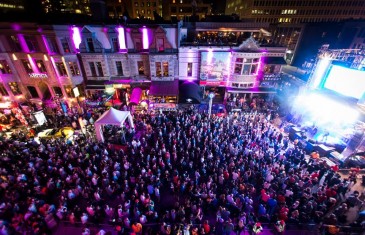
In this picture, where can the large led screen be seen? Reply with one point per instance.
(214, 66)
(345, 81)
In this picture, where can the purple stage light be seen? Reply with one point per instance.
(76, 37)
(145, 38)
(121, 38)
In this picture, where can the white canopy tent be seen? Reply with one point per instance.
(112, 117)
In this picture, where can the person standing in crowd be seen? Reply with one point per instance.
(182, 167)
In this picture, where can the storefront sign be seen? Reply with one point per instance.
(76, 92)
(211, 83)
(40, 117)
(38, 75)
(164, 106)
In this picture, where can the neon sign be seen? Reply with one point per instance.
(38, 75)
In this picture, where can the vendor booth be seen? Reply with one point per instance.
(112, 117)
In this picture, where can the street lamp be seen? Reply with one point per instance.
(211, 96)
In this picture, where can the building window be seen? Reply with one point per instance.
(160, 44)
(148, 4)
(41, 66)
(90, 44)
(28, 68)
(15, 44)
(14, 88)
(3, 91)
(92, 69)
(140, 66)
(58, 91)
(158, 69)
(33, 92)
(136, 4)
(165, 66)
(74, 68)
(65, 45)
(31, 43)
(115, 44)
(238, 66)
(52, 45)
(100, 69)
(142, 4)
(61, 69)
(245, 66)
(190, 69)
(119, 67)
(4, 67)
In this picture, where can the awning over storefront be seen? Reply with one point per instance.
(136, 95)
(260, 90)
(95, 85)
(164, 88)
(189, 92)
(274, 60)
(118, 81)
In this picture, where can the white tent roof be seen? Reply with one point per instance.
(113, 117)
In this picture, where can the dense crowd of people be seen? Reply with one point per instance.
(185, 174)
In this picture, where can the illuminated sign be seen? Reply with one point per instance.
(76, 91)
(38, 75)
(212, 83)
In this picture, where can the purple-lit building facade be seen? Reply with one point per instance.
(138, 62)
(42, 63)
(230, 60)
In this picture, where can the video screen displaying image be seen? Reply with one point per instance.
(346, 81)
(214, 66)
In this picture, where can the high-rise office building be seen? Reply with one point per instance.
(144, 8)
(299, 11)
(11, 5)
(67, 6)
(183, 9)
(288, 18)
(116, 8)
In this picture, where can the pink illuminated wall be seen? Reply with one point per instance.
(54, 67)
(76, 37)
(259, 66)
(121, 38)
(145, 38)
(32, 63)
(46, 44)
(23, 43)
(210, 56)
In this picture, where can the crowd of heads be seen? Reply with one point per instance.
(184, 172)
